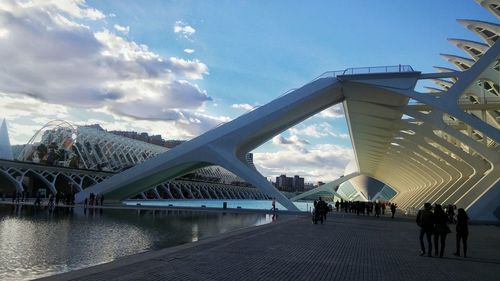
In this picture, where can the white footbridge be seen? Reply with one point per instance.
(438, 147)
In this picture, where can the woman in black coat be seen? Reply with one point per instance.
(441, 229)
(462, 231)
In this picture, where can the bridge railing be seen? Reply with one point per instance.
(378, 69)
(335, 73)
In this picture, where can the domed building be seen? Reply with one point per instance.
(364, 188)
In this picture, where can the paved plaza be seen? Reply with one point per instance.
(346, 247)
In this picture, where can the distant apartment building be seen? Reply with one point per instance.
(290, 184)
(298, 183)
(145, 137)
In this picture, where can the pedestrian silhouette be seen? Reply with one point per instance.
(462, 229)
(393, 209)
(426, 222)
(441, 229)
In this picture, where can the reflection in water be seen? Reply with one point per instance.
(194, 233)
(36, 242)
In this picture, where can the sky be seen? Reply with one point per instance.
(179, 68)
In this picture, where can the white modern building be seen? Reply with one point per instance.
(440, 146)
(91, 148)
(68, 158)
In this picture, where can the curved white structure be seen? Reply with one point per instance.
(97, 149)
(227, 145)
(438, 147)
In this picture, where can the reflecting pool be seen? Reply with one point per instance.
(37, 242)
(218, 203)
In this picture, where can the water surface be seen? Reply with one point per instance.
(37, 242)
(218, 203)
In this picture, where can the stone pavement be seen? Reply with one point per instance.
(346, 247)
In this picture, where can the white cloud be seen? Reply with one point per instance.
(317, 131)
(324, 162)
(192, 69)
(123, 29)
(336, 111)
(25, 115)
(244, 106)
(188, 51)
(73, 8)
(55, 60)
(184, 29)
(292, 143)
(297, 156)
(344, 136)
(3, 33)
(280, 140)
(18, 106)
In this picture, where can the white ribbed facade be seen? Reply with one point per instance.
(96, 149)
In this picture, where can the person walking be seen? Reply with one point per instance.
(377, 209)
(38, 201)
(369, 208)
(425, 219)
(441, 229)
(320, 209)
(393, 209)
(462, 229)
(325, 210)
(274, 204)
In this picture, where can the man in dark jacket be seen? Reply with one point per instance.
(393, 209)
(425, 219)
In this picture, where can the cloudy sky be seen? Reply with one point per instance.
(179, 68)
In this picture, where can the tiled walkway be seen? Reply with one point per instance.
(346, 247)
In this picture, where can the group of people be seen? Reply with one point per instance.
(53, 200)
(320, 210)
(365, 208)
(19, 197)
(94, 199)
(68, 199)
(433, 221)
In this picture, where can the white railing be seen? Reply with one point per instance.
(378, 69)
(335, 73)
